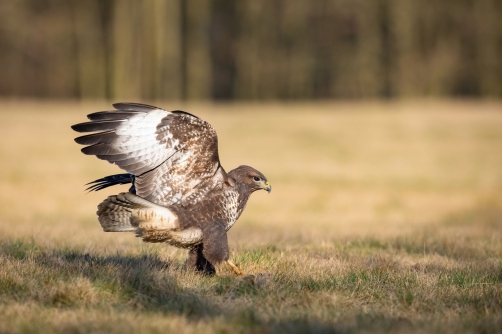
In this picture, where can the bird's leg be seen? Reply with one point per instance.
(235, 268)
(196, 261)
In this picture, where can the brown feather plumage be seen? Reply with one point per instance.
(181, 195)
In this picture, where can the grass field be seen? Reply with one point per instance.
(384, 217)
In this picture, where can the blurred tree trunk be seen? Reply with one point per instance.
(489, 46)
(161, 51)
(250, 49)
(126, 50)
(223, 34)
(369, 71)
(247, 81)
(147, 50)
(91, 49)
(299, 62)
(342, 27)
(405, 78)
(149, 26)
(168, 66)
(12, 58)
(197, 46)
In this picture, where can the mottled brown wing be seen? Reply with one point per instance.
(173, 154)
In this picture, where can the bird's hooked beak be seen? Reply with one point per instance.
(266, 186)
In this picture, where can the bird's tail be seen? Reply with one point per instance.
(112, 180)
(127, 212)
(115, 213)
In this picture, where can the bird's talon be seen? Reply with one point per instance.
(235, 268)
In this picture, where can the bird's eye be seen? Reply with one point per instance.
(256, 178)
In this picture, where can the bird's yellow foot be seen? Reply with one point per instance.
(235, 268)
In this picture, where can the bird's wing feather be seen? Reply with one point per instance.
(173, 154)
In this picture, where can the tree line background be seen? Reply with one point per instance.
(250, 49)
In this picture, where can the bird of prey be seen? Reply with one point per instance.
(180, 193)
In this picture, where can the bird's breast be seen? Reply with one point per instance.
(231, 208)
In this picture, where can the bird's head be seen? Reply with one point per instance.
(251, 178)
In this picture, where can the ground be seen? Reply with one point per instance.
(384, 217)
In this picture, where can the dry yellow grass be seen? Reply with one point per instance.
(384, 217)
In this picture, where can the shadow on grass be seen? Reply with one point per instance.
(144, 283)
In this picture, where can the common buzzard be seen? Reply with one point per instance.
(180, 193)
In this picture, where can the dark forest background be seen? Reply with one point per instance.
(250, 49)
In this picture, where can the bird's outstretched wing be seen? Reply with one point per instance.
(172, 154)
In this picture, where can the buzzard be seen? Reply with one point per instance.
(180, 193)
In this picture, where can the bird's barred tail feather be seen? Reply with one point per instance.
(127, 212)
(115, 213)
